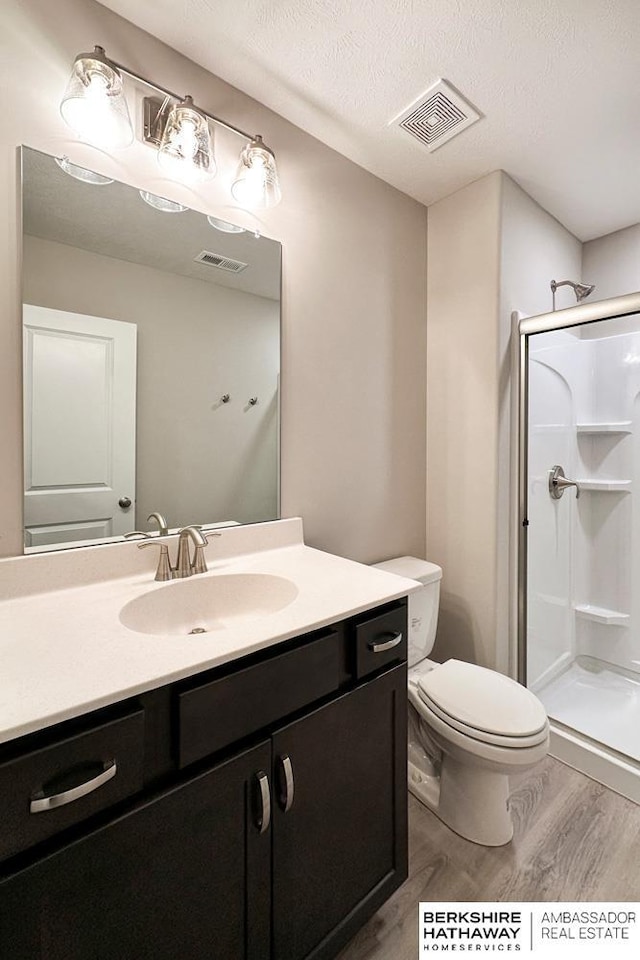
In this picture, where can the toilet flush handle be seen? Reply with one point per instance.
(379, 646)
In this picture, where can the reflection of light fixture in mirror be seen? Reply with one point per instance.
(161, 203)
(186, 148)
(94, 104)
(256, 183)
(224, 226)
(81, 173)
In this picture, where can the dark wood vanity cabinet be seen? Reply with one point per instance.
(275, 847)
(182, 875)
(341, 848)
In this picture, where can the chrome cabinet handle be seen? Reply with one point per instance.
(558, 483)
(263, 815)
(393, 641)
(286, 783)
(40, 804)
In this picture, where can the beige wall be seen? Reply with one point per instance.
(491, 250)
(197, 460)
(613, 263)
(354, 285)
(462, 420)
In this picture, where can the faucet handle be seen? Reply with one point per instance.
(137, 533)
(199, 564)
(164, 570)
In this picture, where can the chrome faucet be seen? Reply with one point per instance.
(185, 566)
(163, 528)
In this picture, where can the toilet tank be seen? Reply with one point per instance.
(423, 604)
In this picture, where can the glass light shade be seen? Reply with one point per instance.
(224, 226)
(81, 173)
(161, 203)
(94, 104)
(186, 148)
(256, 184)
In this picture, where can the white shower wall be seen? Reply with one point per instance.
(584, 554)
(550, 633)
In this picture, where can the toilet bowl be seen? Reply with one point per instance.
(469, 727)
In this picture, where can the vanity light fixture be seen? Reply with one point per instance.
(256, 183)
(186, 145)
(94, 104)
(81, 173)
(95, 107)
(161, 203)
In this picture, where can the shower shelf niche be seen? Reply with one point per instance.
(605, 486)
(588, 611)
(620, 426)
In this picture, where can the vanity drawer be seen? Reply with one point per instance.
(52, 788)
(216, 714)
(381, 640)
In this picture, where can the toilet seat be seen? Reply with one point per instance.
(483, 705)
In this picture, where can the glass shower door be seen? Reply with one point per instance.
(583, 536)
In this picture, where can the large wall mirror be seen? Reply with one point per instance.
(151, 362)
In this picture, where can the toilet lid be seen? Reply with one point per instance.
(483, 701)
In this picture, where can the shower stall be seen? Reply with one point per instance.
(579, 544)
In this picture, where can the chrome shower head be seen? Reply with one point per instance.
(581, 290)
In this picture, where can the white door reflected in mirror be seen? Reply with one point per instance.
(79, 426)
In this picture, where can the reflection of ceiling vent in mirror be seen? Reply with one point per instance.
(222, 263)
(437, 115)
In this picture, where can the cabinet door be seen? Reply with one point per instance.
(340, 822)
(185, 876)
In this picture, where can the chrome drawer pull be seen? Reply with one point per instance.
(263, 816)
(287, 789)
(41, 804)
(393, 641)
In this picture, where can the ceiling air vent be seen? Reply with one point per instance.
(222, 263)
(437, 115)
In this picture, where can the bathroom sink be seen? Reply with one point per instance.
(209, 603)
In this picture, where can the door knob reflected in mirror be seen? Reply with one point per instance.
(124, 502)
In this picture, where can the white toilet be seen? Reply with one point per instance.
(469, 727)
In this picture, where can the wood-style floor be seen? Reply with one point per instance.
(574, 840)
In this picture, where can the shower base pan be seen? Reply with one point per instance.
(595, 723)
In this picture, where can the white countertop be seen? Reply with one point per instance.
(64, 651)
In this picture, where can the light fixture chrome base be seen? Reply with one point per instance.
(153, 119)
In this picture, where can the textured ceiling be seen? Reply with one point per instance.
(557, 83)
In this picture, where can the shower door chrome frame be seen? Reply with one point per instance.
(542, 323)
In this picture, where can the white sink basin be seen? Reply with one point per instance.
(207, 603)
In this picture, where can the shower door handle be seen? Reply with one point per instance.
(558, 483)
